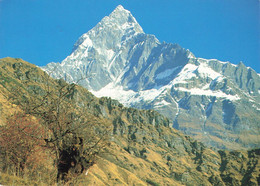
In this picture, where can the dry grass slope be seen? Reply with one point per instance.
(143, 150)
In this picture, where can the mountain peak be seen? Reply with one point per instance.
(197, 94)
(123, 19)
(118, 26)
(120, 8)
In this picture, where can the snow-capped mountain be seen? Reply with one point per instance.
(217, 102)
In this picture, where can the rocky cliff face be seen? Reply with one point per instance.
(216, 102)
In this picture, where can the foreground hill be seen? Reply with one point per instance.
(144, 149)
(216, 102)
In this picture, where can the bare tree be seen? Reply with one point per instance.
(75, 136)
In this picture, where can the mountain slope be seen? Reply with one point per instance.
(216, 102)
(143, 149)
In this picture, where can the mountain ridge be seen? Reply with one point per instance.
(143, 148)
(197, 95)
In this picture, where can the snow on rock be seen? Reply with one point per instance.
(219, 79)
(205, 71)
(87, 42)
(161, 103)
(167, 73)
(186, 73)
(218, 93)
(127, 97)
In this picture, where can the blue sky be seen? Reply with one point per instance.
(42, 31)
